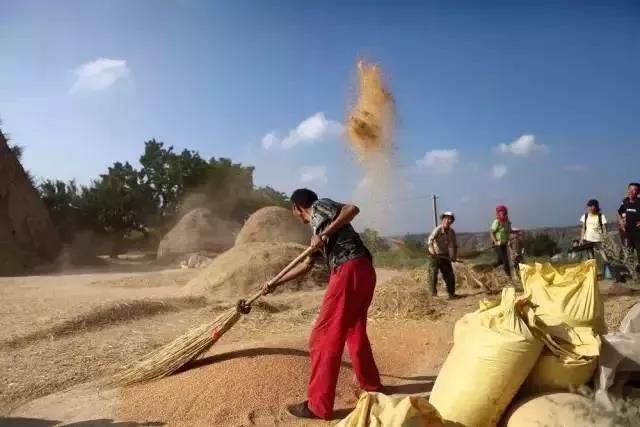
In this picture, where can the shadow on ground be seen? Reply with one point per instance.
(418, 384)
(35, 422)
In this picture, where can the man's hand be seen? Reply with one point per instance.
(243, 307)
(268, 287)
(317, 241)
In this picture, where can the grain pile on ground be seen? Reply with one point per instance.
(198, 230)
(402, 298)
(273, 224)
(240, 271)
(243, 387)
(27, 234)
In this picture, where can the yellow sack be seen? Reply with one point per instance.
(557, 410)
(378, 410)
(558, 373)
(493, 353)
(569, 312)
(565, 295)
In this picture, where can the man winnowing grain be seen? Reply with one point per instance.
(343, 313)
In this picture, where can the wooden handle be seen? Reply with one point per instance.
(284, 271)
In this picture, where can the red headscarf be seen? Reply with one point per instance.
(502, 214)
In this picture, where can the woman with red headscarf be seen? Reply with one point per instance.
(500, 234)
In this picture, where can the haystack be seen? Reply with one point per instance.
(402, 298)
(27, 234)
(273, 224)
(242, 269)
(198, 230)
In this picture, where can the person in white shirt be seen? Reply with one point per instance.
(594, 227)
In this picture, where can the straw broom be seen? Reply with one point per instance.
(168, 359)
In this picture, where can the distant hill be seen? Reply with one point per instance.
(473, 242)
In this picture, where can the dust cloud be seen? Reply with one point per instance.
(370, 129)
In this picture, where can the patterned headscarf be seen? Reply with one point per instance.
(502, 214)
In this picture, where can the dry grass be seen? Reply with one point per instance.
(470, 277)
(107, 315)
(242, 269)
(169, 358)
(402, 298)
(273, 224)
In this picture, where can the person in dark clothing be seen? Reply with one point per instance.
(442, 248)
(629, 222)
(343, 312)
(500, 234)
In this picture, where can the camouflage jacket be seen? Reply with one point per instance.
(343, 245)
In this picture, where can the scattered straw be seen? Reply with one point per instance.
(108, 315)
(173, 356)
(401, 298)
(468, 277)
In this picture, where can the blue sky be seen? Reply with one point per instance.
(85, 83)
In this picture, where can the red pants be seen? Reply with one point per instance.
(342, 318)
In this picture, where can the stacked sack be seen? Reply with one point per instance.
(546, 340)
(493, 353)
(570, 314)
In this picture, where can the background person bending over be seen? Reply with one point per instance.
(442, 249)
(629, 220)
(500, 233)
(343, 313)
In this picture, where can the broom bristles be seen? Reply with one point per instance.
(169, 358)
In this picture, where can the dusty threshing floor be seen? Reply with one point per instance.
(60, 333)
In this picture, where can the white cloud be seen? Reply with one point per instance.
(499, 171)
(269, 140)
(524, 146)
(576, 168)
(440, 161)
(316, 174)
(312, 129)
(99, 75)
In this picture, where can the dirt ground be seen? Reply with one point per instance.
(59, 334)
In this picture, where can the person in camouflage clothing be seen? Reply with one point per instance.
(442, 250)
(343, 313)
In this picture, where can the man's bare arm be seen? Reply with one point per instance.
(345, 216)
(294, 274)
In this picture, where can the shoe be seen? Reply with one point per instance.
(453, 296)
(301, 410)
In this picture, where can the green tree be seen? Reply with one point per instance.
(540, 245)
(115, 204)
(63, 201)
(372, 240)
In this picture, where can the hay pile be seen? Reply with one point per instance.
(198, 230)
(402, 298)
(468, 277)
(242, 269)
(273, 224)
(370, 124)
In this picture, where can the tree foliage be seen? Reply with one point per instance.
(167, 185)
(540, 245)
(63, 201)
